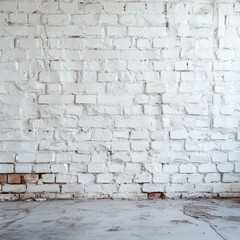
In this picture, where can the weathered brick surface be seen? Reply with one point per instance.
(30, 178)
(119, 98)
(14, 178)
(3, 178)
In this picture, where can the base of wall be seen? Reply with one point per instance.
(36, 187)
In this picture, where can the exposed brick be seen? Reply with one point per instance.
(155, 195)
(14, 178)
(3, 178)
(30, 178)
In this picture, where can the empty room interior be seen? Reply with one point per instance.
(119, 119)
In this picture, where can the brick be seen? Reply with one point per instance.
(43, 188)
(30, 178)
(111, 99)
(148, 188)
(6, 158)
(14, 178)
(6, 168)
(3, 178)
(15, 188)
(178, 134)
(86, 99)
(154, 195)
(187, 168)
(207, 168)
(96, 168)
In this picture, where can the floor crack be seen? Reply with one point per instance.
(215, 230)
(204, 217)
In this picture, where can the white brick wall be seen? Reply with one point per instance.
(120, 98)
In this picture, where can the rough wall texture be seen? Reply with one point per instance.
(119, 98)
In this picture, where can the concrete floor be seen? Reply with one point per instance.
(107, 219)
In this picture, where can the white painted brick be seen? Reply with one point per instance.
(116, 31)
(94, 188)
(150, 31)
(225, 167)
(7, 158)
(72, 188)
(178, 134)
(6, 168)
(59, 168)
(104, 178)
(57, 19)
(41, 168)
(66, 178)
(212, 177)
(229, 177)
(86, 99)
(219, 157)
(234, 156)
(154, 88)
(43, 188)
(96, 167)
(225, 122)
(160, 178)
(23, 168)
(140, 156)
(107, 77)
(160, 145)
(195, 178)
(14, 188)
(87, 19)
(139, 145)
(77, 167)
(71, 7)
(7, 6)
(203, 187)
(133, 167)
(130, 188)
(106, 18)
(233, 20)
(94, 31)
(48, 178)
(120, 98)
(93, 7)
(207, 168)
(56, 99)
(115, 168)
(237, 167)
(153, 188)
(44, 157)
(179, 178)
(122, 43)
(113, 7)
(124, 178)
(84, 178)
(198, 158)
(142, 178)
(187, 168)
(170, 168)
(143, 43)
(139, 134)
(120, 146)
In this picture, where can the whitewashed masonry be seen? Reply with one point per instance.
(119, 98)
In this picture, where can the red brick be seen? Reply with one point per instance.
(30, 178)
(154, 195)
(3, 178)
(14, 178)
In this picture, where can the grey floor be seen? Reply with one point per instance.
(107, 219)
